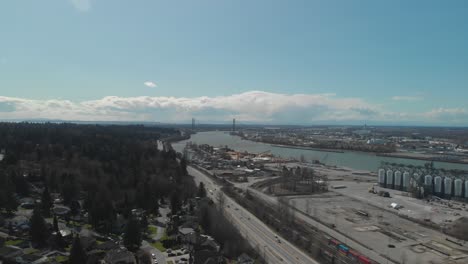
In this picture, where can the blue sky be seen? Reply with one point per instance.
(354, 61)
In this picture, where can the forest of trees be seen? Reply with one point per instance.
(109, 169)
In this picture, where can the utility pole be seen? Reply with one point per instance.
(233, 125)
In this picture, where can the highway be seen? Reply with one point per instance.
(269, 244)
(349, 241)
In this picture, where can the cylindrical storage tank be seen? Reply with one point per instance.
(466, 189)
(447, 187)
(397, 180)
(381, 179)
(428, 180)
(458, 188)
(428, 184)
(438, 185)
(406, 180)
(389, 179)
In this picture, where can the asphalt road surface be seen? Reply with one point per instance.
(269, 244)
(372, 254)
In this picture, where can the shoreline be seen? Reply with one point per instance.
(395, 155)
(305, 148)
(400, 156)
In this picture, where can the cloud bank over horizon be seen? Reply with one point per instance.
(248, 107)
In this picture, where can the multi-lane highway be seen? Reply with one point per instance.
(375, 256)
(270, 245)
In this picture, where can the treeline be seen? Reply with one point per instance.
(107, 169)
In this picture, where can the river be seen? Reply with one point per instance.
(354, 160)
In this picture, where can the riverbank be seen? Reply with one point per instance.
(347, 159)
(416, 156)
(305, 148)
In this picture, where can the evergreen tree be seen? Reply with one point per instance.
(46, 202)
(59, 242)
(21, 185)
(144, 222)
(183, 166)
(175, 203)
(69, 189)
(39, 233)
(132, 236)
(56, 228)
(77, 253)
(201, 190)
(155, 209)
(8, 201)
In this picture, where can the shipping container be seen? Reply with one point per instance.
(343, 249)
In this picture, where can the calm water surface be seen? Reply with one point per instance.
(355, 160)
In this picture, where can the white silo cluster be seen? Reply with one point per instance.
(406, 179)
(397, 180)
(381, 178)
(389, 179)
(458, 188)
(438, 185)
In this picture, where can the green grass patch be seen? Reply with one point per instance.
(153, 230)
(88, 226)
(159, 246)
(170, 262)
(30, 251)
(164, 236)
(61, 259)
(13, 242)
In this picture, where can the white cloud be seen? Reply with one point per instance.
(81, 5)
(253, 106)
(150, 84)
(453, 115)
(407, 98)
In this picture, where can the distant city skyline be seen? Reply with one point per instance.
(267, 62)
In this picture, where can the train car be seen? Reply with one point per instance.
(334, 242)
(343, 249)
(364, 260)
(353, 255)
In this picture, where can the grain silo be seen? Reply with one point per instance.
(428, 184)
(466, 189)
(389, 179)
(447, 187)
(438, 185)
(458, 188)
(406, 180)
(381, 178)
(397, 180)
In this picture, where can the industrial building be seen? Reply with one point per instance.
(423, 181)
